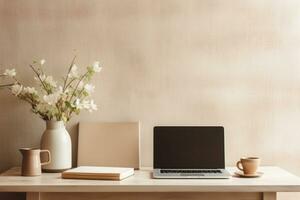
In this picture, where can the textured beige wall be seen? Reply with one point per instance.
(210, 62)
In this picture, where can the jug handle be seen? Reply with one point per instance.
(49, 157)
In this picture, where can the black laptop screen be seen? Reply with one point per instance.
(189, 147)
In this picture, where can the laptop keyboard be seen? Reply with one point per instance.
(192, 171)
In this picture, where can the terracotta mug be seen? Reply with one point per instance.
(248, 165)
(31, 162)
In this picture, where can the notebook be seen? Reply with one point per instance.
(99, 173)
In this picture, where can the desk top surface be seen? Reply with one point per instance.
(274, 179)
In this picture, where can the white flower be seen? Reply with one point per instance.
(96, 66)
(10, 72)
(85, 104)
(52, 99)
(80, 104)
(16, 89)
(42, 62)
(41, 107)
(48, 80)
(76, 104)
(62, 93)
(60, 89)
(89, 88)
(44, 108)
(93, 106)
(30, 90)
(74, 72)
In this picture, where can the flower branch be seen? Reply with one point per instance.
(50, 100)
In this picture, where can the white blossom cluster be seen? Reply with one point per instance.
(54, 101)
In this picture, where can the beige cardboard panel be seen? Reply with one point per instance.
(112, 144)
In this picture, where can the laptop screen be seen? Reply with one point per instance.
(189, 147)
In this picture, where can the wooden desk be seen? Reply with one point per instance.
(142, 186)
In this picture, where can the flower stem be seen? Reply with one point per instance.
(38, 75)
(6, 85)
(81, 78)
(70, 68)
(69, 84)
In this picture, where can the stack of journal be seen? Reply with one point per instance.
(100, 173)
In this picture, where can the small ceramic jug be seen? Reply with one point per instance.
(31, 162)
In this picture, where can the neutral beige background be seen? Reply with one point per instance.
(208, 62)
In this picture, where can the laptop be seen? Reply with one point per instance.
(189, 152)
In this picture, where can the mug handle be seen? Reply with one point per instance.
(239, 165)
(49, 157)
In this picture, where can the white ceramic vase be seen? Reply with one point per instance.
(57, 140)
